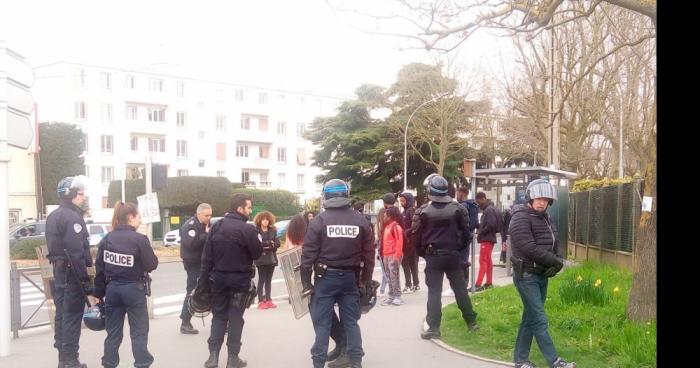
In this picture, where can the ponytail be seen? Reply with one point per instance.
(121, 213)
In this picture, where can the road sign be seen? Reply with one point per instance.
(18, 80)
(289, 262)
(148, 208)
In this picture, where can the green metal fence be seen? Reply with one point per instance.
(606, 217)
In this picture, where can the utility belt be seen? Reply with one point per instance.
(320, 269)
(430, 250)
(521, 266)
(243, 299)
(145, 280)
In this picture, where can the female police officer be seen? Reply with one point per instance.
(123, 260)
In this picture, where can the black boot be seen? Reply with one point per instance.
(343, 361)
(235, 362)
(213, 360)
(61, 360)
(335, 353)
(187, 328)
(430, 333)
(75, 363)
(355, 365)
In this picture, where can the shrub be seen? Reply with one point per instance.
(25, 248)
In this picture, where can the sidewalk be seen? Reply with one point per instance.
(271, 338)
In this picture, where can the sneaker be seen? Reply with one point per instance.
(270, 304)
(262, 305)
(487, 286)
(527, 364)
(397, 301)
(561, 363)
(415, 289)
(407, 290)
(472, 326)
(387, 301)
(430, 334)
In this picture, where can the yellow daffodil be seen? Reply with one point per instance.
(579, 278)
(616, 289)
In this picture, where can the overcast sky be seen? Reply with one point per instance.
(297, 45)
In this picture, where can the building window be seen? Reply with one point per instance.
(129, 82)
(155, 85)
(221, 151)
(262, 98)
(85, 142)
(263, 180)
(264, 151)
(180, 89)
(181, 148)
(220, 173)
(106, 112)
(245, 177)
(262, 124)
(156, 114)
(107, 174)
(281, 179)
(131, 112)
(80, 110)
(301, 156)
(282, 128)
(242, 150)
(300, 181)
(221, 123)
(105, 81)
(181, 119)
(106, 144)
(245, 122)
(281, 154)
(301, 129)
(239, 95)
(182, 172)
(134, 143)
(79, 78)
(156, 144)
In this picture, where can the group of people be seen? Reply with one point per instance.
(338, 255)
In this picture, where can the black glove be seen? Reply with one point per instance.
(87, 287)
(363, 290)
(553, 270)
(307, 286)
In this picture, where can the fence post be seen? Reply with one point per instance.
(618, 228)
(15, 301)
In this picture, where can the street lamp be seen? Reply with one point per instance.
(405, 140)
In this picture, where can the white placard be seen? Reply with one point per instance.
(646, 204)
(148, 207)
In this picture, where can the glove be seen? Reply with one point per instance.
(363, 290)
(553, 270)
(87, 287)
(307, 286)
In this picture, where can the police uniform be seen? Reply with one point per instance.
(339, 246)
(67, 236)
(193, 234)
(438, 230)
(228, 257)
(124, 258)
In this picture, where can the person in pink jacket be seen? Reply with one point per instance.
(392, 253)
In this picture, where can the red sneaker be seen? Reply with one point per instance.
(263, 305)
(270, 304)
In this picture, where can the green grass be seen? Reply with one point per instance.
(587, 323)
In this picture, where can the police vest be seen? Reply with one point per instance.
(439, 226)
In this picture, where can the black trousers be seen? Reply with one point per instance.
(225, 313)
(437, 266)
(192, 270)
(409, 263)
(70, 304)
(265, 280)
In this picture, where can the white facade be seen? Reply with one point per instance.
(22, 185)
(195, 127)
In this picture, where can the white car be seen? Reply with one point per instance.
(172, 237)
(97, 232)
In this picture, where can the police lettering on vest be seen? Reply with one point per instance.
(118, 259)
(342, 231)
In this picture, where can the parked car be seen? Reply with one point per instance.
(97, 232)
(27, 230)
(172, 237)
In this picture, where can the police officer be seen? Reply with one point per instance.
(193, 234)
(124, 258)
(338, 246)
(69, 252)
(438, 230)
(228, 257)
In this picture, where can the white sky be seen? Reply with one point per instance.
(287, 44)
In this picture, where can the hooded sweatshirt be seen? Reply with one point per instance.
(408, 212)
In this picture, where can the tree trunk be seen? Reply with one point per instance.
(642, 302)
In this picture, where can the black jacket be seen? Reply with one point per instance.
(193, 234)
(123, 255)
(489, 225)
(270, 244)
(231, 246)
(533, 236)
(408, 213)
(65, 229)
(339, 237)
(441, 224)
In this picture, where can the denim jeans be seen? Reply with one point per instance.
(533, 292)
(336, 287)
(126, 298)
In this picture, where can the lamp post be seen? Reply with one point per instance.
(405, 141)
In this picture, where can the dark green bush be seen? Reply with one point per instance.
(24, 248)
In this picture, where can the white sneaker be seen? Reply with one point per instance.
(387, 301)
(407, 290)
(397, 301)
(448, 292)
